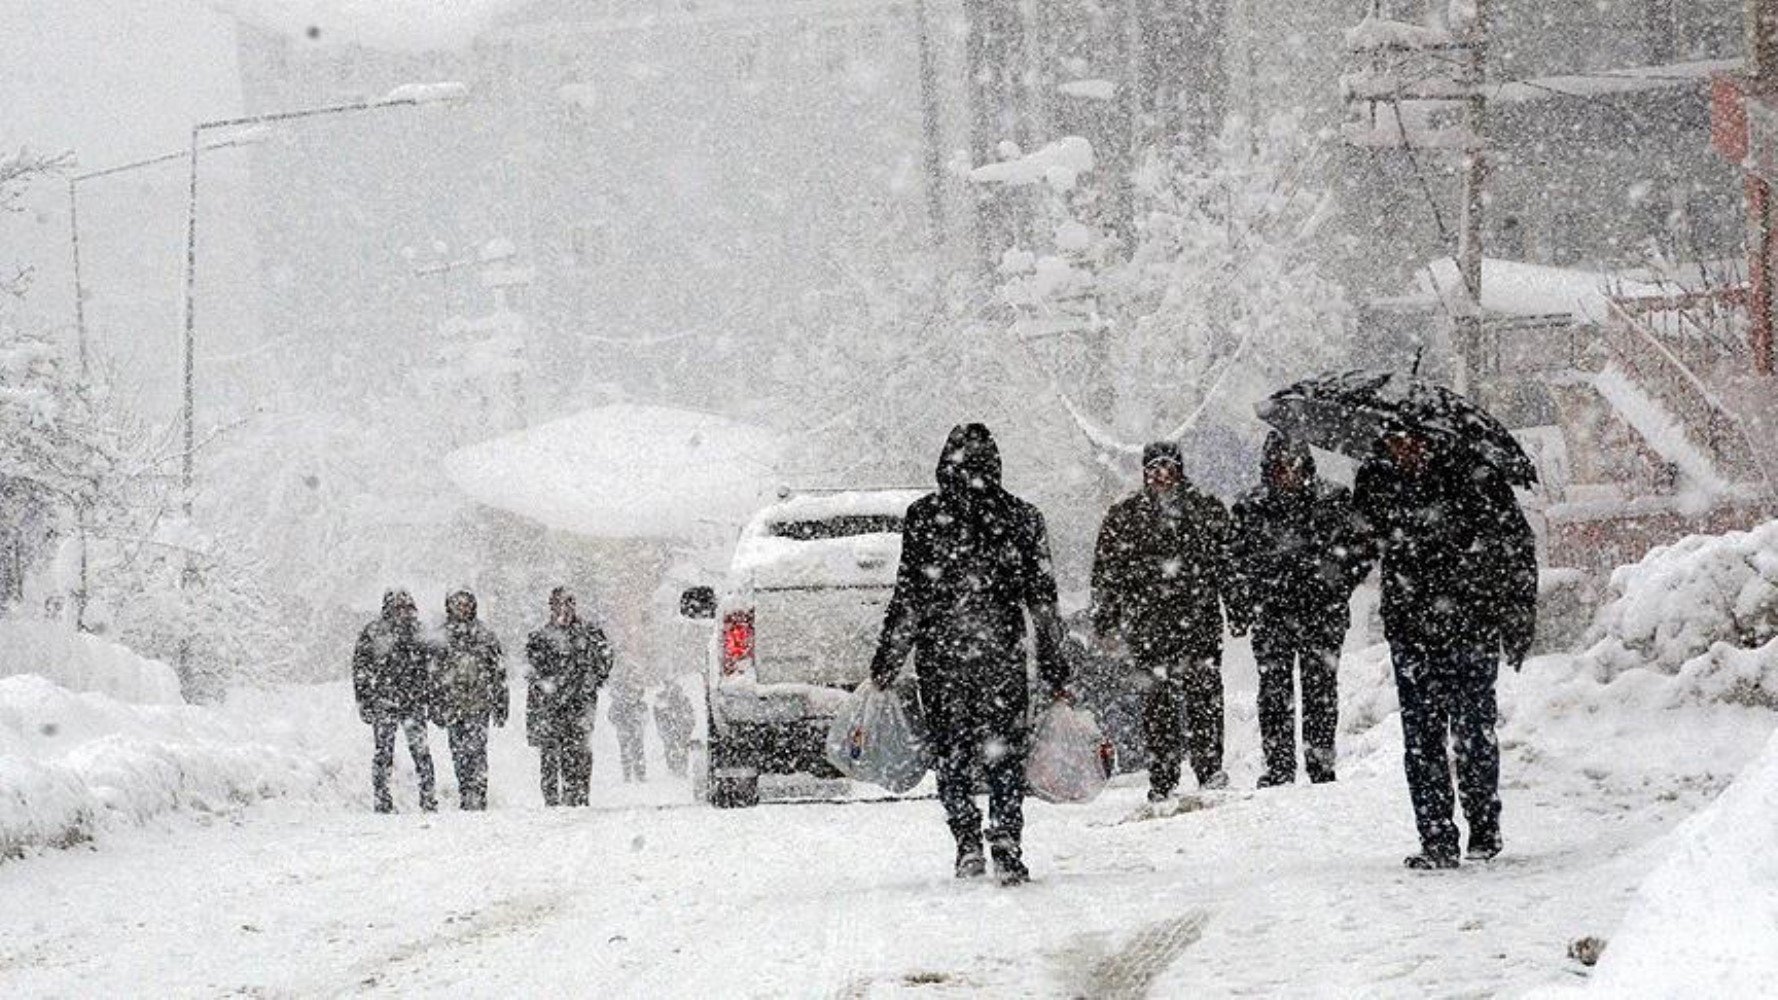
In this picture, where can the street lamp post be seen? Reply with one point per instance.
(410, 95)
(80, 332)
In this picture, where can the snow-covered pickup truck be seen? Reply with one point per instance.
(796, 624)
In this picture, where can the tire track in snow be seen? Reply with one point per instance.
(505, 917)
(1128, 973)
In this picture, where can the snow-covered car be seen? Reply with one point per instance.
(797, 621)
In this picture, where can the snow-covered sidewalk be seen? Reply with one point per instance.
(1295, 891)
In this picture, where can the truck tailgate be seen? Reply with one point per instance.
(817, 635)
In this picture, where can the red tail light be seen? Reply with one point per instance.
(737, 641)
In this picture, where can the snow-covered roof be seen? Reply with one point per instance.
(624, 471)
(1514, 288)
(1631, 80)
(843, 503)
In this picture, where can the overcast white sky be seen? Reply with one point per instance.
(113, 80)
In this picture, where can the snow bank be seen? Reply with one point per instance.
(624, 471)
(1705, 923)
(1514, 288)
(72, 764)
(81, 662)
(1704, 609)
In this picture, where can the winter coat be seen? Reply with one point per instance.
(1160, 571)
(1297, 554)
(974, 560)
(470, 675)
(568, 663)
(391, 676)
(1459, 563)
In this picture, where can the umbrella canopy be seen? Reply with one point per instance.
(1346, 412)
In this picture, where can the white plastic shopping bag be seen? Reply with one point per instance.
(874, 739)
(1070, 759)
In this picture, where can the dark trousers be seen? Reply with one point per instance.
(998, 754)
(1183, 710)
(469, 755)
(566, 765)
(382, 761)
(1448, 693)
(1280, 660)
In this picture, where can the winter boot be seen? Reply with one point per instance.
(1484, 846)
(1431, 860)
(1270, 780)
(1009, 866)
(970, 862)
(1215, 782)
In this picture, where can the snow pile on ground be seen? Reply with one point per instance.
(1705, 922)
(73, 764)
(1704, 609)
(81, 662)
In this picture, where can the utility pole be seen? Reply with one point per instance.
(1402, 75)
(1475, 181)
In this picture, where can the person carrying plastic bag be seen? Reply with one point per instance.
(873, 738)
(1071, 760)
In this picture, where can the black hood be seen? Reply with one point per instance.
(970, 461)
(1280, 451)
(453, 599)
(396, 600)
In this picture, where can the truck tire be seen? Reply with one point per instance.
(734, 793)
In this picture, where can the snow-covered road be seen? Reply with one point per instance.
(1295, 891)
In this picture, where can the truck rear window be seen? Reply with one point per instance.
(843, 526)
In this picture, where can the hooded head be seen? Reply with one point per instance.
(1285, 463)
(561, 605)
(398, 603)
(1163, 466)
(460, 606)
(970, 461)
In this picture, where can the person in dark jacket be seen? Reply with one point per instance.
(393, 687)
(1459, 576)
(1298, 553)
(569, 659)
(673, 721)
(629, 717)
(1160, 570)
(974, 561)
(471, 683)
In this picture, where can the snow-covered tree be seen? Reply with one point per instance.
(1217, 299)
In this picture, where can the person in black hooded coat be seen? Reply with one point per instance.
(1298, 553)
(569, 659)
(974, 561)
(1459, 581)
(392, 681)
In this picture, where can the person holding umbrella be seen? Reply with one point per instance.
(1459, 577)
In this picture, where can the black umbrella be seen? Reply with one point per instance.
(1346, 412)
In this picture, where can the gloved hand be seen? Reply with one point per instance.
(1061, 695)
(883, 682)
(1237, 629)
(1514, 654)
(500, 718)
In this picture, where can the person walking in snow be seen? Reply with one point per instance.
(393, 686)
(629, 717)
(471, 682)
(975, 561)
(1459, 581)
(1298, 553)
(568, 660)
(673, 720)
(1160, 575)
